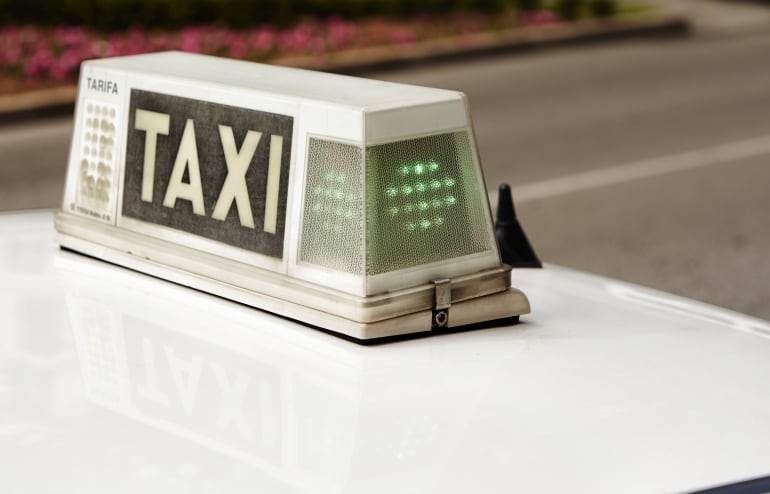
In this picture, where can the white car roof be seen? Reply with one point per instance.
(113, 381)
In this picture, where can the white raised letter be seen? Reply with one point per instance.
(186, 157)
(152, 123)
(273, 176)
(235, 184)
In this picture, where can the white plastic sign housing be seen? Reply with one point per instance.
(350, 204)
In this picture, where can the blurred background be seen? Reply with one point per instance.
(635, 134)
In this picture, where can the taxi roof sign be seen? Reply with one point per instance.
(351, 204)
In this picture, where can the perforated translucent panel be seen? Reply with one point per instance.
(332, 225)
(423, 203)
(97, 157)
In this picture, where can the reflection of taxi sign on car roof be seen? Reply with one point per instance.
(354, 205)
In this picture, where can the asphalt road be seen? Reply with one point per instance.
(644, 161)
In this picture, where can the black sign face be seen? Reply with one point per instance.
(217, 171)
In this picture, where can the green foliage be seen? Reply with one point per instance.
(527, 5)
(569, 9)
(165, 14)
(602, 8)
(117, 14)
(574, 9)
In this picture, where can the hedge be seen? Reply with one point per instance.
(170, 14)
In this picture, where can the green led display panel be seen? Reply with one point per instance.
(421, 195)
(332, 225)
(423, 203)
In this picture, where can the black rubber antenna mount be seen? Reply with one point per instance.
(515, 249)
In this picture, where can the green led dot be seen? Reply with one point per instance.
(438, 220)
(316, 207)
(391, 191)
(436, 203)
(404, 170)
(350, 197)
(330, 177)
(407, 189)
(433, 166)
(340, 178)
(419, 168)
(450, 200)
(348, 214)
(449, 182)
(411, 226)
(425, 224)
(435, 184)
(393, 211)
(420, 187)
(422, 205)
(408, 208)
(339, 212)
(339, 194)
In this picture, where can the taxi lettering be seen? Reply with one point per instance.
(209, 169)
(237, 161)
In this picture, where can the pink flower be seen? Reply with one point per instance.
(262, 39)
(9, 32)
(69, 36)
(57, 52)
(468, 22)
(102, 48)
(29, 34)
(538, 18)
(402, 36)
(38, 64)
(239, 48)
(339, 32)
(58, 71)
(71, 58)
(191, 40)
(10, 53)
(295, 40)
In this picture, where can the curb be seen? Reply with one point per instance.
(517, 40)
(61, 100)
(38, 103)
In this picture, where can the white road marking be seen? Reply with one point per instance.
(639, 170)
